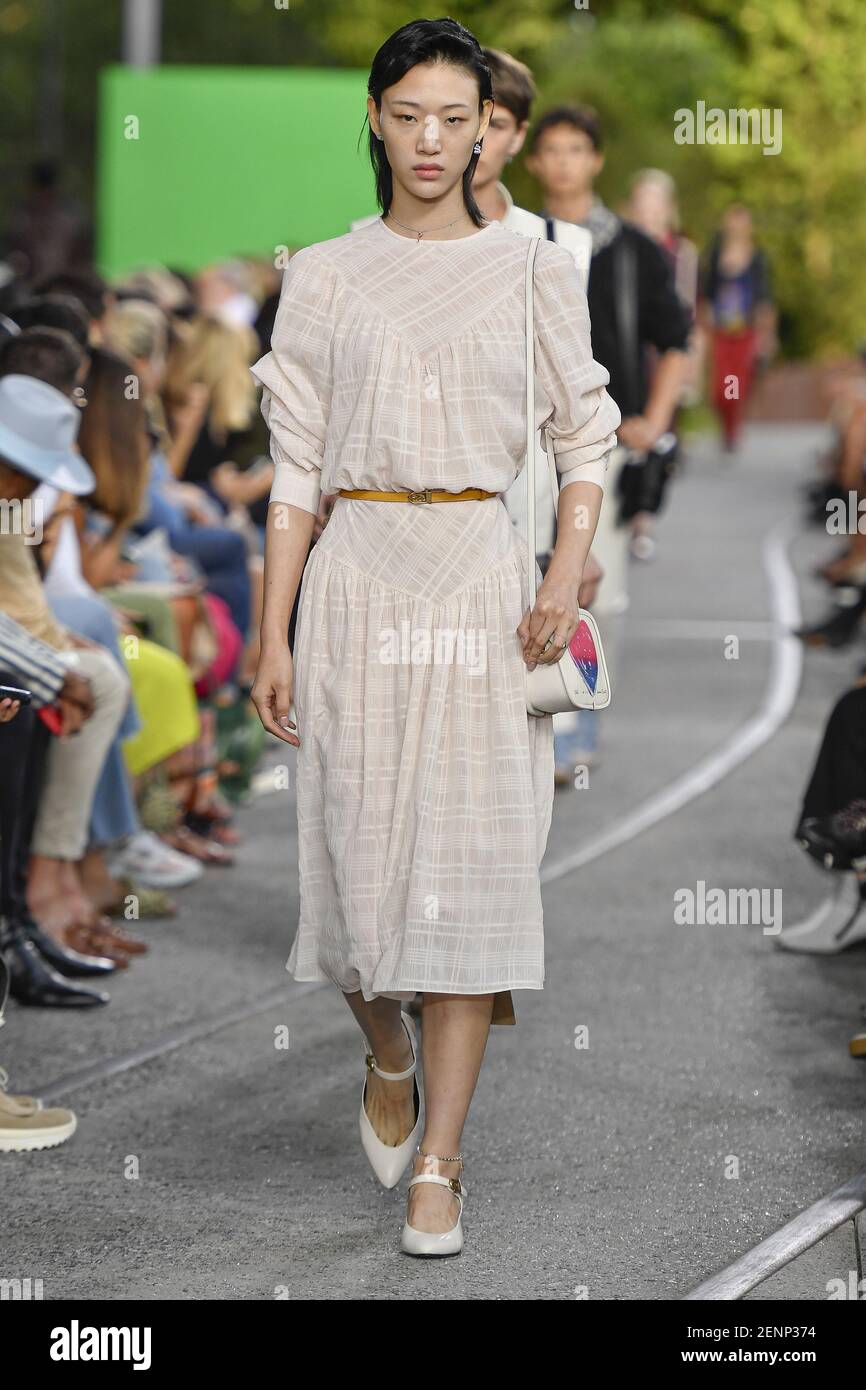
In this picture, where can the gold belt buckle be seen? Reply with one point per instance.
(426, 495)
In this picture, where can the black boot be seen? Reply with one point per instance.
(837, 630)
(33, 981)
(70, 963)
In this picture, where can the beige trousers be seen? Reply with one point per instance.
(74, 763)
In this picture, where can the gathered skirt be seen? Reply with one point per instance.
(424, 788)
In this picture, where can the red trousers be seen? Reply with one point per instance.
(733, 370)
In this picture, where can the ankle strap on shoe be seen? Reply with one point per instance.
(458, 1187)
(388, 1075)
(372, 1064)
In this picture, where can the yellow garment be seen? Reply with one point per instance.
(22, 596)
(165, 699)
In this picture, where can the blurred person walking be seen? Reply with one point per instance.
(652, 206)
(633, 306)
(736, 308)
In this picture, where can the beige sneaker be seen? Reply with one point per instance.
(35, 1129)
(21, 1105)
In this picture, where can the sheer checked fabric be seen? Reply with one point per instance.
(424, 789)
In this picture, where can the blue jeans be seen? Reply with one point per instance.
(571, 744)
(220, 553)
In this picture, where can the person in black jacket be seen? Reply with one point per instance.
(566, 157)
(632, 304)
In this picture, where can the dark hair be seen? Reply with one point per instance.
(49, 354)
(513, 86)
(54, 311)
(425, 41)
(86, 285)
(582, 118)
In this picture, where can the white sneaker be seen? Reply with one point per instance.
(837, 923)
(154, 863)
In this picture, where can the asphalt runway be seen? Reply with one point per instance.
(713, 1100)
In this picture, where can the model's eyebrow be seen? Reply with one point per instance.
(448, 106)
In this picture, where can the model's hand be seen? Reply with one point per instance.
(555, 614)
(272, 693)
(8, 709)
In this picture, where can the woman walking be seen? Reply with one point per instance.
(737, 313)
(424, 789)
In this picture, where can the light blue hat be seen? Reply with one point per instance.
(38, 427)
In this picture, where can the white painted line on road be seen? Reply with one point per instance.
(170, 1042)
(784, 1245)
(778, 701)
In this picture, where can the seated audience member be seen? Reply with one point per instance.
(93, 293)
(38, 425)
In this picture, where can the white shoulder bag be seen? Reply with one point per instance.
(579, 680)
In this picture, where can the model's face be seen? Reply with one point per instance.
(503, 140)
(565, 162)
(650, 208)
(429, 122)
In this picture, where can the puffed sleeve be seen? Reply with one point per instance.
(579, 415)
(297, 380)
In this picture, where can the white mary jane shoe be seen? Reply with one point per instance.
(415, 1242)
(389, 1161)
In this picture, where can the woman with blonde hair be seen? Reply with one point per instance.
(209, 366)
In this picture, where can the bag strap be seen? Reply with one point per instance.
(625, 295)
(531, 531)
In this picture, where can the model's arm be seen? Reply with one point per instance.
(296, 376)
(287, 543)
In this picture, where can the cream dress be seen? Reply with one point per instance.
(424, 789)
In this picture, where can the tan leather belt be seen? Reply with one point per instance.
(427, 494)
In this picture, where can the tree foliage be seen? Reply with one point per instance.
(637, 61)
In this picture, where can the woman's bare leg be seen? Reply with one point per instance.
(389, 1104)
(455, 1032)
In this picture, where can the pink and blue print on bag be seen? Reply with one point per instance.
(584, 655)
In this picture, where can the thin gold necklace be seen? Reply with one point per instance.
(427, 229)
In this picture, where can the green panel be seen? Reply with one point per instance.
(228, 161)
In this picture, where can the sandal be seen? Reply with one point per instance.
(207, 851)
(152, 902)
(81, 938)
(212, 827)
